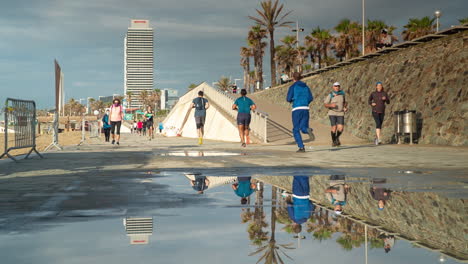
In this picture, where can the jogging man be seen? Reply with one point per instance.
(200, 104)
(337, 105)
(300, 96)
(149, 115)
(244, 105)
(300, 208)
(243, 188)
(337, 192)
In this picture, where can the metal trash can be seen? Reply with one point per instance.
(409, 121)
(405, 125)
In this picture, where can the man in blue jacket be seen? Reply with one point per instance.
(300, 96)
(300, 208)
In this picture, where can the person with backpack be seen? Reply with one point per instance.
(106, 126)
(200, 104)
(116, 117)
(337, 107)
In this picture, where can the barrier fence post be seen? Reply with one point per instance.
(22, 115)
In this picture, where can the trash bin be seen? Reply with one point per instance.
(405, 125)
(408, 121)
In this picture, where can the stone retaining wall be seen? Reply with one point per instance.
(430, 78)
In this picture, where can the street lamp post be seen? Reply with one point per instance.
(363, 27)
(297, 30)
(437, 14)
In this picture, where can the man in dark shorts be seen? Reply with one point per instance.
(200, 104)
(200, 184)
(244, 105)
(243, 188)
(337, 105)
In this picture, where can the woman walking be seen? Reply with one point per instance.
(377, 100)
(116, 117)
(106, 125)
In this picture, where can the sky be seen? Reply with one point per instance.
(195, 40)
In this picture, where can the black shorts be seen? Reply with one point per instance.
(116, 126)
(149, 124)
(378, 118)
(243, 119)
(200, 121)
(336, 120)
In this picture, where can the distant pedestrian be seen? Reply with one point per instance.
(300, 96)
(161, 127)
(377, 100)
(244, 105)
(300, 207)
(338, 106)
(337, 192)
(385, 40)
(243, 188)
(106, 126)
(140, 127)
(134, 127)
(200, 104)
(144, 128)
(149, 115)
(116, 117)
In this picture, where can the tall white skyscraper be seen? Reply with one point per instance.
(139, 60)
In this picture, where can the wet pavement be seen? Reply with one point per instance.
(71, 207)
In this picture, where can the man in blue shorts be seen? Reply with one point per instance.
(244, 105)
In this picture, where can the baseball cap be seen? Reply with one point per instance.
(378, 83)
(336, 84)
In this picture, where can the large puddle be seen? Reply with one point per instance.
(297, 215)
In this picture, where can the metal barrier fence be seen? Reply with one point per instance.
(259, 121)
(20, 122)
(94, 129)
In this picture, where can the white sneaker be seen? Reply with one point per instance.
(376, 142)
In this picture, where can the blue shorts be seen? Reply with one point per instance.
(243, 119)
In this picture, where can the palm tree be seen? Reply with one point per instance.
(245, 54)
(319, 42)
(144, 99)
(349, 37)
(463, 21)
(373, 31)
(223, 83)
(418, 27)
(271, 17)
(129, 98)
(271, 251)
(254, 39)
(286, 54)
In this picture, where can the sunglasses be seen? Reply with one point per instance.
(336, 86)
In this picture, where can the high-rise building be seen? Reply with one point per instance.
(139, 60)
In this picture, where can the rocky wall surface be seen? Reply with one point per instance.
(430, 78)
(427, 217)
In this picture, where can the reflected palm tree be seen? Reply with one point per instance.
(272, 252)
(257, 222)
(320, 226)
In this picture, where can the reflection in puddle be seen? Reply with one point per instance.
(201, 154)
(248, 218)
(139, 229)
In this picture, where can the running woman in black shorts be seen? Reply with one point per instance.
(377, 100)
(149, 115)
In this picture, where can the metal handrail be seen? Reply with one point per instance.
(259, 120)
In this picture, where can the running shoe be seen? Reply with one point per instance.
(310, 131)
(243, 145)
(118, 143)
(200, 141)
(113, 142)
(338, 143)
(376, 142)
(334, 144)
(300, 150)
